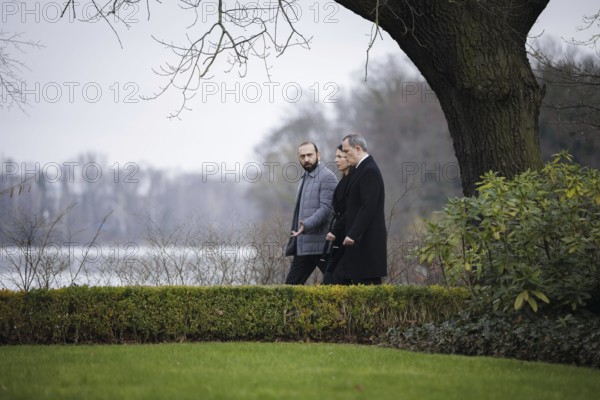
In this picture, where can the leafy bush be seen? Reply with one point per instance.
(570, 340)
(151, 314)
(529, 242)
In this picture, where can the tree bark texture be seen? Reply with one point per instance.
(472, 54)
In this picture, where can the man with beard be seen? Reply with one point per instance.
(311, 216)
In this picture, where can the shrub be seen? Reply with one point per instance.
(529, 242)
(159, 314)
(570, 340)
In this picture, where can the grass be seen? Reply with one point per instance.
(277, 371)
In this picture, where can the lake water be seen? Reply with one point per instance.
(131, 264)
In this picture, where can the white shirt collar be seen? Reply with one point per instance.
(361, 160)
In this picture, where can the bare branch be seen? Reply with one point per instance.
(21, 187)
(589, 21)
(89, 245)
(373, 37)
(11, 69)
(235, 33)
(376, 29)
(571, 79)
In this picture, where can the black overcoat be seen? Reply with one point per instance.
(339, 209)
(365, 224)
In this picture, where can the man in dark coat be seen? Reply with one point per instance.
(365, 256)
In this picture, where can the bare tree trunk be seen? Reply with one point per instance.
(472, 53)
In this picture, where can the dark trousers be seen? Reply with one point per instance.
(301, 269)
(335, 255)
(329, 278)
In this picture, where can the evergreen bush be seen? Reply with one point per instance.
(531, 242)
(529, 251)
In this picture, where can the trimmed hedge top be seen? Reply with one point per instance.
(165, 314)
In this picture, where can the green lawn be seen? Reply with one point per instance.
(277, 371)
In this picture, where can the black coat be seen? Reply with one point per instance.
(365, 224)
(338, 229)
(339, 209)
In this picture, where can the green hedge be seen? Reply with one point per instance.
(574, 339)
(165, 314)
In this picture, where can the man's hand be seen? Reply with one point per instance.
(330, 236)
(348, 241)
(299, 231)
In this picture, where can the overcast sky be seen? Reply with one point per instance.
(84, 89)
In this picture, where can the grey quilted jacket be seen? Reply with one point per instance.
(315, 209)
